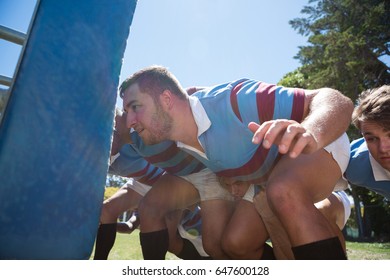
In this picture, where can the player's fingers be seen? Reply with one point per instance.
(253, 126)
(275, 132)
(258, 131)
(304, 141)
(289, 136)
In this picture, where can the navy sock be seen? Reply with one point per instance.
(154, 244)
(105, 240)
(327, 249)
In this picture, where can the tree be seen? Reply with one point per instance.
(114, 181)
(347, 39)
(295, 79)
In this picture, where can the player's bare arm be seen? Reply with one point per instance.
(327, 114)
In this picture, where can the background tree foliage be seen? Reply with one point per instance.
(346, 41)
(115, 181)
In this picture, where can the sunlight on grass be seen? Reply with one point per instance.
(127, 247)
(368, 251)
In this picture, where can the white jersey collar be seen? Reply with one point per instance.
(380, 174)
(201, 119)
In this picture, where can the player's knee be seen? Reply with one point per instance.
(282, 197)
(151, 208)
(233, 247)
(108, 214)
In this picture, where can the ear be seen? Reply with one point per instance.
(166, 99)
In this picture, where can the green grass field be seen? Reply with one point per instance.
(127, 248)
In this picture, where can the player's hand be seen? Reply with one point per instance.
(121, 133)
(192, 90)
(290, 137)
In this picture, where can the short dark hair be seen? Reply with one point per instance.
(154, 80)
(373, 105)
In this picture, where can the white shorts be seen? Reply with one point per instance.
(251, 192)
(340, 151)
(346, 203)
(205, 181)
(208, 185)
(138, 187)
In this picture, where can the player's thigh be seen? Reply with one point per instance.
(170, 193)
(309, 177)
(246, 226)
(216, 214)
(333, 209)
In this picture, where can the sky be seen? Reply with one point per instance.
(203, 42)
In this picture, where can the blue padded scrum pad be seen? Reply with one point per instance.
(56, 132)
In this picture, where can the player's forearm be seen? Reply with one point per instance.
(329, 117)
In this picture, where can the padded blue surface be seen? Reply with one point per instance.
(56, 133)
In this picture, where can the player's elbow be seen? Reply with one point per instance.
(339, 102)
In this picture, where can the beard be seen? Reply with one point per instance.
(160, 127)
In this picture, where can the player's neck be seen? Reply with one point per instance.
(186, 129)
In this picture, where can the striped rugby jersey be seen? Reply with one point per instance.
(222, 114)
(146, 163)
(363, 170)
